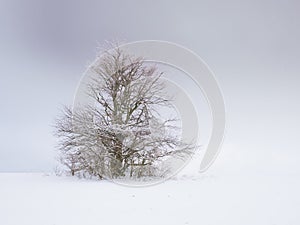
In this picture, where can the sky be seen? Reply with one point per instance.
(251, 46)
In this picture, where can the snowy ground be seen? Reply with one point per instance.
(40, 199)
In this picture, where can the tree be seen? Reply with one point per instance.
(123, 133)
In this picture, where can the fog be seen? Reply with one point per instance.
(252, 47)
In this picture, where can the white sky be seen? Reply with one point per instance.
(252, 47)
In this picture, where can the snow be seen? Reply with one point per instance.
(46, 199)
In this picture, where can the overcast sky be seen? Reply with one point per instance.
(252, 47)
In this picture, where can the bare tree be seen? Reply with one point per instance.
(123, 133)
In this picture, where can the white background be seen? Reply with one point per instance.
(252, 47)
